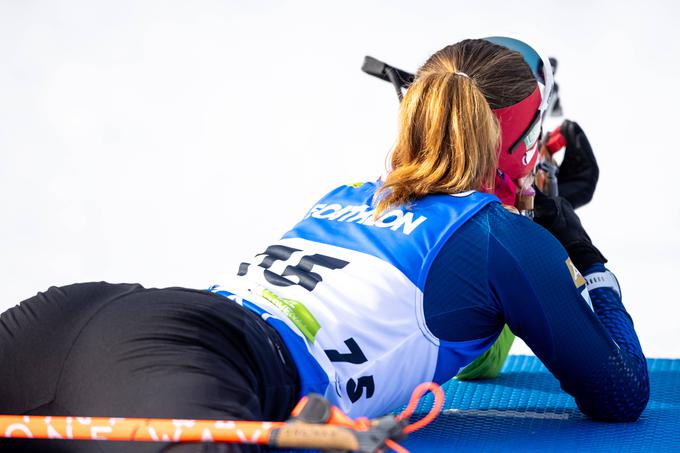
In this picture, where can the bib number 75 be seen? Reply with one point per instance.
(355, 389)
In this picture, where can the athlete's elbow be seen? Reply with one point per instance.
(622, 398)
(617, 411)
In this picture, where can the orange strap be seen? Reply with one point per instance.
(339, 418)
(417, 394)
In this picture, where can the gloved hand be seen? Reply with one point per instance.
(558, 216)
(578, 174)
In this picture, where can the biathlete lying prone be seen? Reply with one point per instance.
(381, 285)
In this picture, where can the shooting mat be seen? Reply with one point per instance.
(524, 409)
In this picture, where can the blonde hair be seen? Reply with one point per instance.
(448, 135)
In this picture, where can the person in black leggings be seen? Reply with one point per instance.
(121, 350)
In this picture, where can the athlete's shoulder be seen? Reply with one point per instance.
(516, 236)
(504, 223)
(513, 232)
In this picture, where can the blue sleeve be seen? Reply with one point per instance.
(513, 271)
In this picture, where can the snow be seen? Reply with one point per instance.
(161, 142)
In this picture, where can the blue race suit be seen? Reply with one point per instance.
(371, 307)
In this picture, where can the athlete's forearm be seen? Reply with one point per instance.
(605, 294)
(594, 353)
(625, 374)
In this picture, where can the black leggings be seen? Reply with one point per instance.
(98, 349)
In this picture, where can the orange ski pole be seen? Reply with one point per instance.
(315, 424)
(297, 434)
(138, 429)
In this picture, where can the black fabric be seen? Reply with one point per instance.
(579, 171)
(557, 215)
(98, 349)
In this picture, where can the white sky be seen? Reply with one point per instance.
(162, 141)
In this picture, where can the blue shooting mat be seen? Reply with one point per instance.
(524, 409)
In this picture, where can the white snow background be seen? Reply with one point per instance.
(163, 141)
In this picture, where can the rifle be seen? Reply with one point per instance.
(401, 80)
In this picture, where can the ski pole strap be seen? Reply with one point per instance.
(371, 435)
(315, 423)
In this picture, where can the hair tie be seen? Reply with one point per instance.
(462, 74)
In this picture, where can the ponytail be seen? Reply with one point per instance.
(448, 135)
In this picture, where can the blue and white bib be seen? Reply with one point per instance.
(345, 291)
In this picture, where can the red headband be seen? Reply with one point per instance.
(515, 122)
